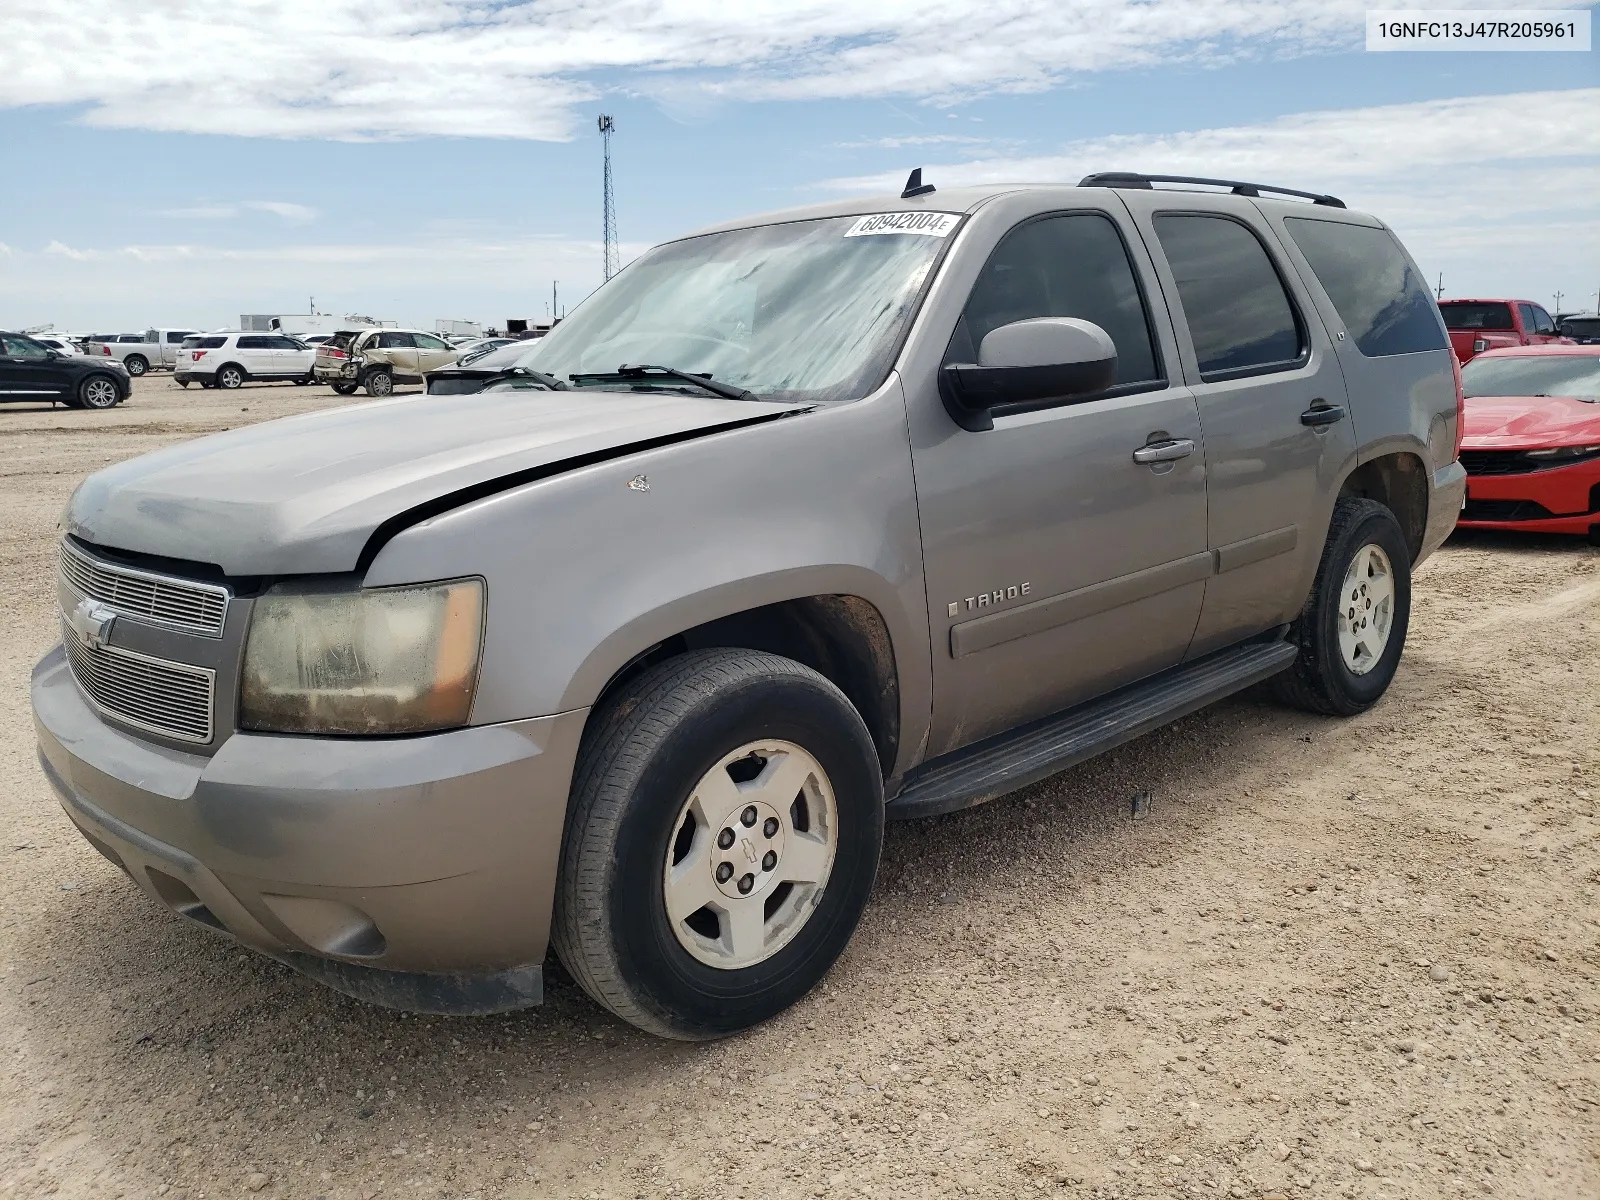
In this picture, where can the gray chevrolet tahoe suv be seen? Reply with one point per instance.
(875, 509)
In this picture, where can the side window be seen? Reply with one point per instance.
(428, 342)
(21, 347)
(176, 337)
(1073, 265)
(254, 342)
(286, 343)
(1385, 307)
(1529, 323)
(1541, 321)
(152, 336)
(394, 341)
(1238, 313)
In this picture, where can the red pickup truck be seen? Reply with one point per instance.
(1479, 325)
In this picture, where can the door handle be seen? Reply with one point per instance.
(1328, 414)
(1167, 451)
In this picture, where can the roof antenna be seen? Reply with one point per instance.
(915, 186)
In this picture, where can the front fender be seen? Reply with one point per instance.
(587, 569)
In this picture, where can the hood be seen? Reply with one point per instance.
(1530, 422)
(302, 495)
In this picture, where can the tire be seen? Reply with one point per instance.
(1330, 677)
(137, 364)
(659, 748)
(183, 383)
(379, 383)
(229, 376)
(98, 392)
(345, 389)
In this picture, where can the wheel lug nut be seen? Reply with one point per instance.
(748, 817)
(746, 882)
(724, 872)
(770, 828)
(769, 860)
(725, 838)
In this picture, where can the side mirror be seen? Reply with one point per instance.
(1025, 362)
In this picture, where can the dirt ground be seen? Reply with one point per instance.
(1330, 959)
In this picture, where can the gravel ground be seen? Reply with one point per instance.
(1328, 959)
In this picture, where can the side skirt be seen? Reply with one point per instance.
(1014, 759)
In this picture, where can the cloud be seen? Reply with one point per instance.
(5, 250)
(352, 70)
(66, 251)
(1498, 203)
(201, 212)
(298, 213)
(926, 139)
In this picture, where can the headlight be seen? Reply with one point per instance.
(1565, 452)
(374, 661)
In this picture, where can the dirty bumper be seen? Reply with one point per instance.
(417, 872)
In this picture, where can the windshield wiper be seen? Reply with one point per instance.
(549, 381)
(646, 372)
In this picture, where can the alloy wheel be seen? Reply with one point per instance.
(1366, 609)
(750, 854)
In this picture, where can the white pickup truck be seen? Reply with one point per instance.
(144, 351)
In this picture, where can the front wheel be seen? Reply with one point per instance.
(97, 391)
(1353, 628)
(726, 821)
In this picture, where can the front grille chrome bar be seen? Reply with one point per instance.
(175, 700)
(181, 604)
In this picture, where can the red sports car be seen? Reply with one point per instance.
(1531, 444)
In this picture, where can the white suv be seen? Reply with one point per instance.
(229, 359)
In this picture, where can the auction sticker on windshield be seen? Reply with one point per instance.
(929, 224)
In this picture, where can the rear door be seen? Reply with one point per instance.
(1272, 403)
(256, 354)
(396, 348)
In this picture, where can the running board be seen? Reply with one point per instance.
(1008, 761)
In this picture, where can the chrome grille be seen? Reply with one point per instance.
(164, 697)
(159, 599)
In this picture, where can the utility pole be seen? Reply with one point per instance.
(554, 283)
(1558, 300)
(608, 202)
(1438, 292)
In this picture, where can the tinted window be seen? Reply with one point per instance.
(1068, 266)
(1238, 313)
(428, 342)
(176, 337)
(285, 343)
(1541, 321)
(1581, 327)
(1384, 305)
(206, 343)
(256, 342)
(1476, 314)
(135, 338)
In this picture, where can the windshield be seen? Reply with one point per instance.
(804, 311)
(1465, 314)
(1575, 375)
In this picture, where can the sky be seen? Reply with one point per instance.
(181, 162)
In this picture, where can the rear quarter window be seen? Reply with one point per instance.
(1385, 307)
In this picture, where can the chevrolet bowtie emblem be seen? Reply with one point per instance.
(91, 621)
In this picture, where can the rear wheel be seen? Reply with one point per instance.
(1353, 628)
(230, 377)
(345, 389)
(98, 391)
(726, 821)
(137, 364)
(380, 383)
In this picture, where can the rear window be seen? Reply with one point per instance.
(1385, 307)
(340, 341)
(1575, 375)
(1581, 327)
(204, 343)
(1472, 314)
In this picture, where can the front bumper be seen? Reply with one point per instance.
(1555, 500)
(414, 872)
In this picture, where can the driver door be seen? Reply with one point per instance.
(28, 369)
(1057, 566)
(432, 352)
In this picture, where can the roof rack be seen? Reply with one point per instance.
(1129, 179)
